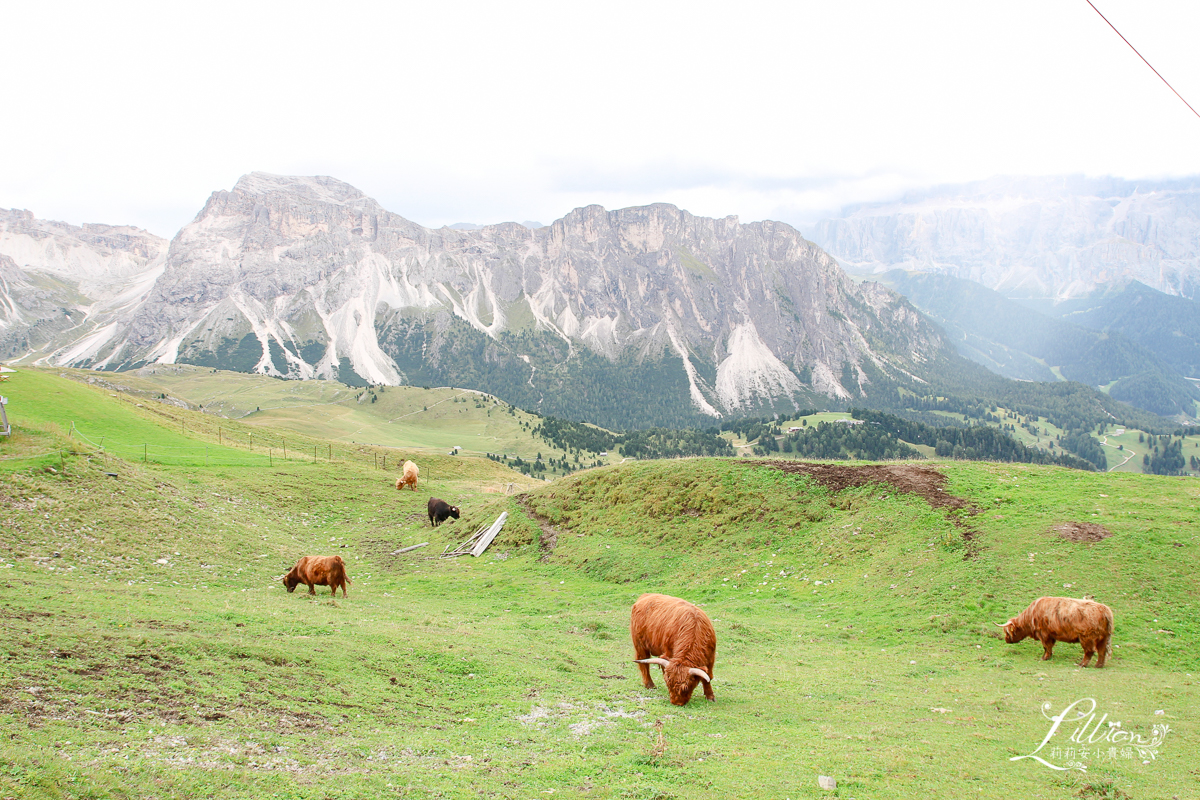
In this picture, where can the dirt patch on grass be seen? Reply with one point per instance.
(19, 503)
(1081, 531)
(925, 482)
(28, 616)
(549, 536)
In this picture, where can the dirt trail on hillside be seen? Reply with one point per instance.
(549, 537)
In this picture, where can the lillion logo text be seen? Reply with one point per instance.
(1091, 739)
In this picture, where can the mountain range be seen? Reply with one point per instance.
(1137, 344)
(649, 313)
(1055, 237)
(637, 317)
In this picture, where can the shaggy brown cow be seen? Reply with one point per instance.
(1064, 619)
(440, 510)
(677, 636)
(318, 571)
(409, 478)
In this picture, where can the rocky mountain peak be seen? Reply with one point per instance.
(315, 189)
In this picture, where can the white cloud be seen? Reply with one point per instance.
(485, 112)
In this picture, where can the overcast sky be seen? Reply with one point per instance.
(484, 112)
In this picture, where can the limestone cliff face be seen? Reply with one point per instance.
(93, 256)
(307, 277)
(1045, 237)
(62, 284)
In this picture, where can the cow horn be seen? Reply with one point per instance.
(699, 673)
(662, 662)
(999, 624)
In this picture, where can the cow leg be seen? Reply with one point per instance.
(1048, 646)
(1088, 650)
(643, 652)
(1101, 652)
(312, 589)
(708, 692)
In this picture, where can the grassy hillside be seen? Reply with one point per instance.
(410, 418)
(148, 649)
(364, 423)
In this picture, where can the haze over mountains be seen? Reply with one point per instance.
(634, 317)
(1059, 238)
(1138, 344)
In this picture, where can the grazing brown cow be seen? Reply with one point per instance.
(677, 636)
(409, 478)
(1064, 619)
(318, 571)
(440, 511)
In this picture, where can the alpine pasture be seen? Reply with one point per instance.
(148, 648)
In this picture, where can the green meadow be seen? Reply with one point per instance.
(426, 420)
(149, 650)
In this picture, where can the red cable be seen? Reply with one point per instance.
(1143, 58)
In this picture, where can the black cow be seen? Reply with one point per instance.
(439, 510)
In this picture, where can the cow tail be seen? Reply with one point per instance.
(342, 564)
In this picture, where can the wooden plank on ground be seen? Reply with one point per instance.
(483, 543)
(465, 547)
(410, 547)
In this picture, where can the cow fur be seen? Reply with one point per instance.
(409, 476)
(318, 571)
(677, 636)
(1064, 619)
(440, 510)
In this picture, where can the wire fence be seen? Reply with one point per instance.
(233, 449)
(228, 452)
